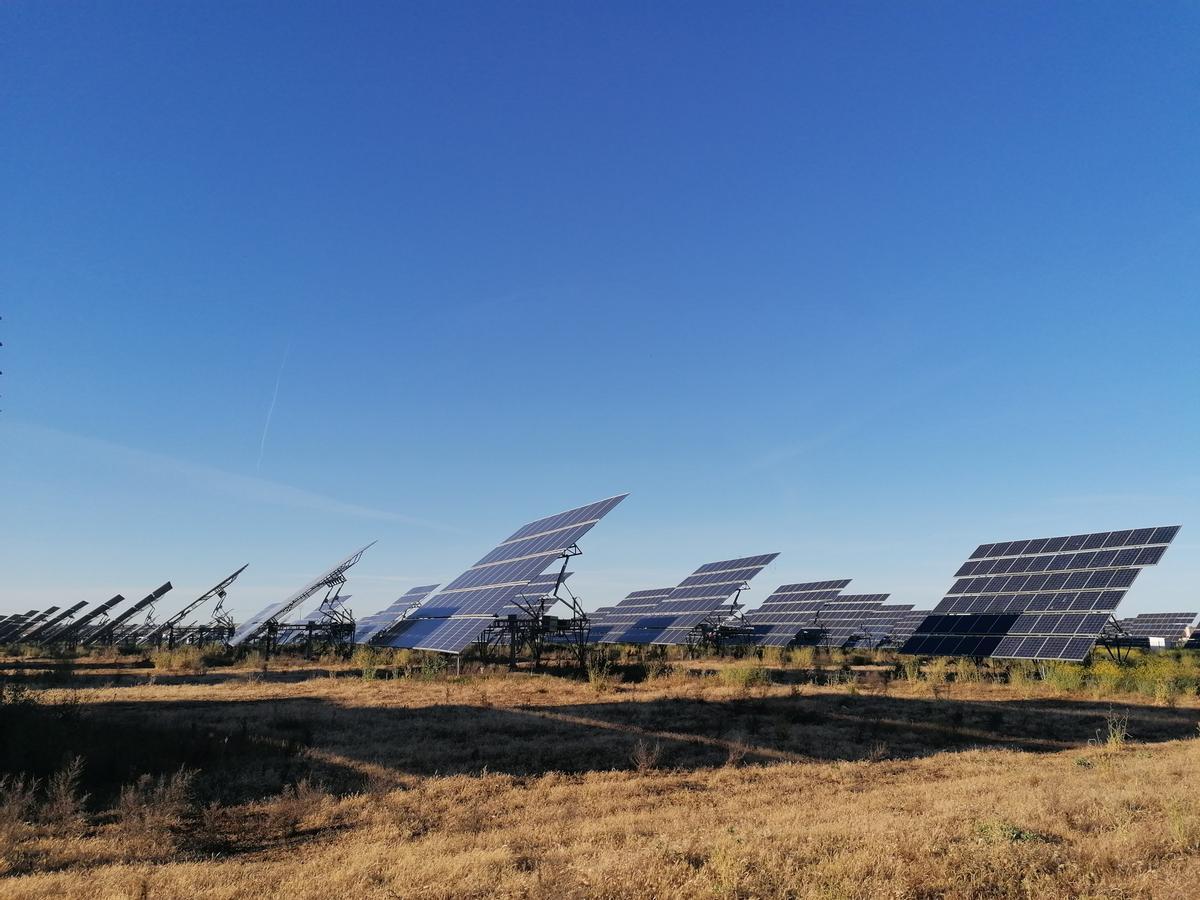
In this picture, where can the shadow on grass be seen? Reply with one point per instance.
(247, 749)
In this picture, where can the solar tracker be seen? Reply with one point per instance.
(34, 621)
(16, 623)
(107, 633)
(527, 598)
(906, 623)
(371, 625)
(218, 590)
(330, 581)
(36, 632)
(790, 609)
(1046, 598)
(880, 625)
(634, 606)
(456, 616)
(1170, 627)
(695, 602)
(328, 610)
(842, 618)
(84, 623)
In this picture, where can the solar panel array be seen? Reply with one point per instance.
(844, 617)
(372, 625)
(51, 624)
(527, 598)
(675, 617)
(458, 615)
(1170, 626)
(634, 606)
(790, 609)
(217, 590)
(1046, 598)
(329, 580)
(906, 624)
(17, 623)
(35, 621)
(85, 624)
(879, 627)
(320, 615)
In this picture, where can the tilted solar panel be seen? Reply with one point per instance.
(48, 627)
(373, 624)
(329, 580)
(791, 610)
(458, 615)
(83, 625)
(1046, 598)
(1170, 626)
(674, 618)
(845, 617)
(529, 597)
(635, 606)
(16, 624)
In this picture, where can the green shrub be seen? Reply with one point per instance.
(745, 677)
(181, 659)
(802, 657)
(601, 674)
(968, 672)
(367, 659)
(1064, 676)
(938, 670)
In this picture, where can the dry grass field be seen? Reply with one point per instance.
(705, 779)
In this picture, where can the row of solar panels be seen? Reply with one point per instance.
(1045, 598)
(102, 625)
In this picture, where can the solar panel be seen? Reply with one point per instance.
(789, 610)
(1046, 598)
(36, 632)
(695, 601)
(843, 618)
(34, 621)
(1171, 627)
(322, 613)
(16, 624)
(457, 616)
(905, 625)
(84, 624)
(526, 598)
(633, 607)
(330, 580)
(217, 590)
(109, 631)
(371, 625)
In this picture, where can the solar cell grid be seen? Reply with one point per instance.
(592, 512)
(369, 626)
(1013, 588)
(332, 577)
(698, 598)
(465, 608)
(1170, 626)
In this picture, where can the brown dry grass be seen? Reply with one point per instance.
(296, 784)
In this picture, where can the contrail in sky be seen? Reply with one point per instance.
(271, 409)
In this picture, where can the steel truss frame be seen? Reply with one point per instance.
(515, 632)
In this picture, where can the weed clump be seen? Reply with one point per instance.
(151, 808)
(996, 831)
(645, 756)
(1114, 735)
(182, 659)
(745, 677)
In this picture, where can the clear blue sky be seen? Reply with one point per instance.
(864, 284)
